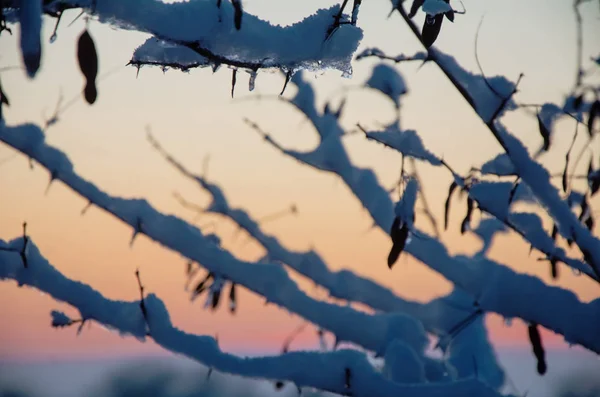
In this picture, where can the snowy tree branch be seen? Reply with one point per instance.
(266, 279)
(324, 371)
(204, 33)
(532, 173)
(438, 316)
(473, 274)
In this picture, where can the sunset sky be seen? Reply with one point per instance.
(193, 116)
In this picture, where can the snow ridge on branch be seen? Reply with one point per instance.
(324, 371)
(200, 33)
(472, 274)
(269, 280)
(438, 316)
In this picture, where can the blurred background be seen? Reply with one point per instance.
(193, 116)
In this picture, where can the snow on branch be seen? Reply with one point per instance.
(466, 273)
(208, 32)
(437, 316)
(490, 98)
(407, 142)
(344, 372)
(269, 280)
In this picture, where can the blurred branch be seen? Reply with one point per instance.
(303, 369)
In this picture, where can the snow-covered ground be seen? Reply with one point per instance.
(179, 377)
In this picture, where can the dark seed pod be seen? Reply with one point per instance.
(554, 232)
(538, 349)
(88, 63)
(544, 132)
(554, 268)
(594, 113)
(578, 101)
(416, 4)
(233, 303)
(449, 14)
(233, 80)
(467, 220)
(431, 29)
(3, 97)
(453, 186)
(202, 284)
(399, 234)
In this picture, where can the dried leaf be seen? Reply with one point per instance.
(544, 132)
(399, 234)
(202, 285)
(593, 179)
(578, 101)
(233, 303)
(216, 297)
(414, 7)
(554, 268)
(594, 113)
(449, 14)
(453, 186)
(3, 97)
(431, 29)
(538, 349)
(88, 63)
(467, 220)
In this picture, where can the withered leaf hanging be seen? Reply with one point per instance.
(237, 16)
(467, 220)
(453, 186)
(554, 268)
(3, 97)
(593, 178)
(538, 349)
(449, 14)
(544, 132)
(202, 284)
(399, 234)
(594, 114)
(232, 301)
(578, 101)
(554, 232)
(431, 29)
(414, 7)
(88, 63)
(216, 297)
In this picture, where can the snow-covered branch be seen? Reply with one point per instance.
(344, 372)
(438, 316)
(269, 280)
(494, 198)
(203, 33)
(474, 275)
(490, 98)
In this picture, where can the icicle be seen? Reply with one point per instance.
(252, 81)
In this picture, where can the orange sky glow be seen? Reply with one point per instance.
(194, 116)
